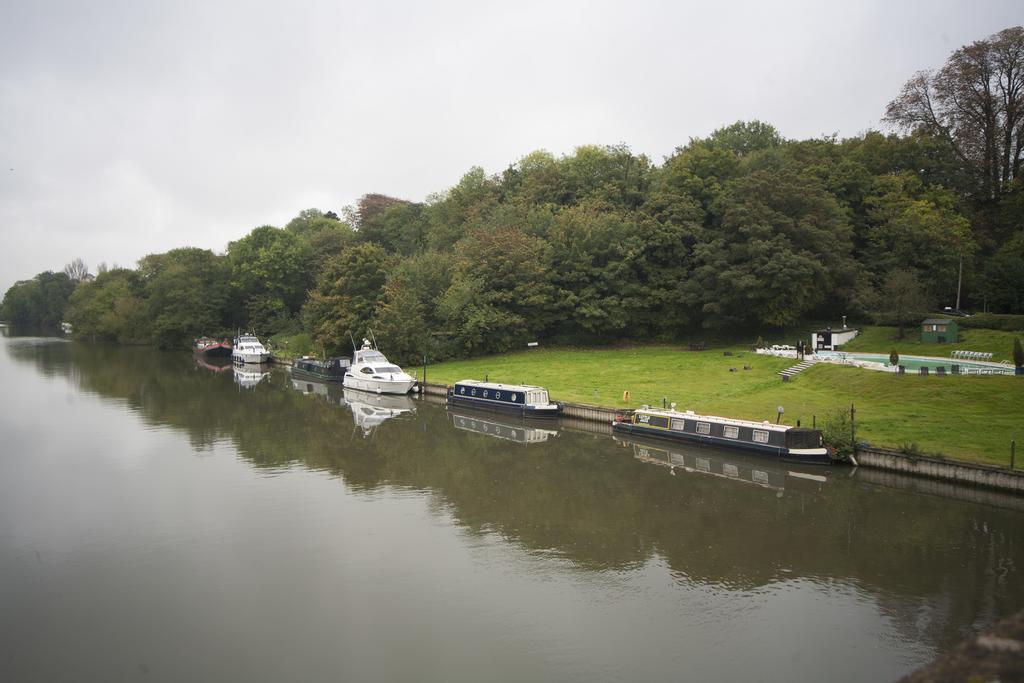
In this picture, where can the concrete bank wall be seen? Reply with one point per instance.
(939, 468)
(940, 487)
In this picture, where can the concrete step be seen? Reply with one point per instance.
(798, 368)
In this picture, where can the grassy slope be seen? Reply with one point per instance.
(973, 418)
(883, 339)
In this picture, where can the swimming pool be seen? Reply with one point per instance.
(915, 363)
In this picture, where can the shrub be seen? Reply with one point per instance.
(994, 321)
(835, 429)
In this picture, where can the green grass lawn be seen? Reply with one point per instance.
(883, 339)
(971, 418)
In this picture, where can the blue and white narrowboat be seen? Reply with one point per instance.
(798, 444)
(523, 399)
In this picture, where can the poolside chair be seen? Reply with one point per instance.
(940, 370)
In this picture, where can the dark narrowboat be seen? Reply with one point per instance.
(783, 441)
(330, 370)
(523, 399)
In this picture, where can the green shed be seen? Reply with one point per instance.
(939, 331)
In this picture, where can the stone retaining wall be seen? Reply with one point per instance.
(939, 468)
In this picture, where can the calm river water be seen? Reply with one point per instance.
(162, 521)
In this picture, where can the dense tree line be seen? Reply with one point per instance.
(742, 230)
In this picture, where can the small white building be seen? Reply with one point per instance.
(830, 340)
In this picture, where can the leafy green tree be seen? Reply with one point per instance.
(407, 321)
(782, 248)
(186, 293)
(346, 296)
(925, 234)
(40, 301)
(111, 308)
(270, 274)
(1003, 280)
(743, 138)
(501, 295)
(902, 296)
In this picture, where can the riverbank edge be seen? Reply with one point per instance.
(919, 465)
(925, 466)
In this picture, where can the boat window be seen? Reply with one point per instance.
(473, 392)
(485, 393)
(678, 424)
(387, 368)
(803, 438)
(367, 371)
(462, 390)
(703, 427)
(730, 432)
(497, 395)
(515, 397)
(760, 436)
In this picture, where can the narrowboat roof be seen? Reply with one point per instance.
(689, 414)
(497, 385)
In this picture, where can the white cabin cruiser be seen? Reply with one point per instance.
(248, 349)
(371, 371)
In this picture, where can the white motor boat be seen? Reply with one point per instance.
(371, 371)
(248, 349)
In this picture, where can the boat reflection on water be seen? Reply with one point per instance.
(726, 464)
(500, 426)
(213, 364)
(370, 409)
(248, 375)
(319, 389)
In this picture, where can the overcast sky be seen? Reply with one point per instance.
(129, 128)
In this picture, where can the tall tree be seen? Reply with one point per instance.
(347, 293)
(186, 293)
(77, 270)
(902, 296)
(976, 104)
(270, 273)
(40, 301)
(782, 248)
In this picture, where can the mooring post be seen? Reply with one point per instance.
(1013, 452)
(853, 430)
(423, 388)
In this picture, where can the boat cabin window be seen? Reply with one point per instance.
(731, 432)
(387, 368)
(803, 438)
(366, 371)
(760, 436)
(703, 427)
(678, 424)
